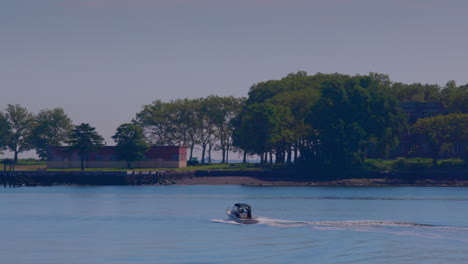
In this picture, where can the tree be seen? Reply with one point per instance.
(131, 144)
(155, 119)
(256, 127)
(204, 127)
(20, 121)
(415, 92)
(352, 113)
(381, 79)
(442, 132)
(84, 138)
(5, 132)
(221, 111)
(291, 97)
(455, 99)
(51, 128)
(184, 122)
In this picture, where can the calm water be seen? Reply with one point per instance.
(187, 224)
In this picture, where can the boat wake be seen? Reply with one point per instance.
(339, 224)
(390, 227)
(316, 224)
(226, 221)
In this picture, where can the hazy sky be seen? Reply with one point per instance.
(101, 60)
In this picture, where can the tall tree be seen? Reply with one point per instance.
(204, 127)
(291, 97)
(83, 139)
(352, 113)
(256, 127)
(155, 119)
(21, 122)
(51, 128)
(184, 122)
(221, 110)
(131, 144)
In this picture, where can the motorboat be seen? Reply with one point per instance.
(241, 213)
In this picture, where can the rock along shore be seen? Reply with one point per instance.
(222, 177)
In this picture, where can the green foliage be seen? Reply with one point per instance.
(131, 144)
(204, 122)
(84, 138)
(273, 118)
(351, 114)
(5, 132)
(156, 119)
(331, 119)
(455, 99)
(259, 126)
(28, 162)
(323, 120)
(50, 128)
(402, 164)
(415, 92)
(413, 164)
(443, 132)
(452, 164)
(220, 112)
(379, 165)
(20, 122)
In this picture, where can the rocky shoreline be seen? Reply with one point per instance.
(251, 178)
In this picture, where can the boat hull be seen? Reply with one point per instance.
(246, 221)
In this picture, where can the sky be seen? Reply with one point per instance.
(102, 60)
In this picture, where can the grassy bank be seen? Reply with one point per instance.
(414, 164)
(399, 164)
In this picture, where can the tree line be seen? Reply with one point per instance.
(336, 120)
(202, 122)
(321, 120)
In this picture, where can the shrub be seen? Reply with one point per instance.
(411, 164)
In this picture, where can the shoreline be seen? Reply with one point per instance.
(244, 178)
(352, 182)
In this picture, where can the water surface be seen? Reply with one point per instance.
(187, 224)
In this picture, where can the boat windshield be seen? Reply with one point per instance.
(244, 211)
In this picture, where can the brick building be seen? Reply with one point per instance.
(106, 157)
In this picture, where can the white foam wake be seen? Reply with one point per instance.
(391, 227)
(226, 221)
(349, 223)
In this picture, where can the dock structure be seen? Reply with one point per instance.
(8, 176)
